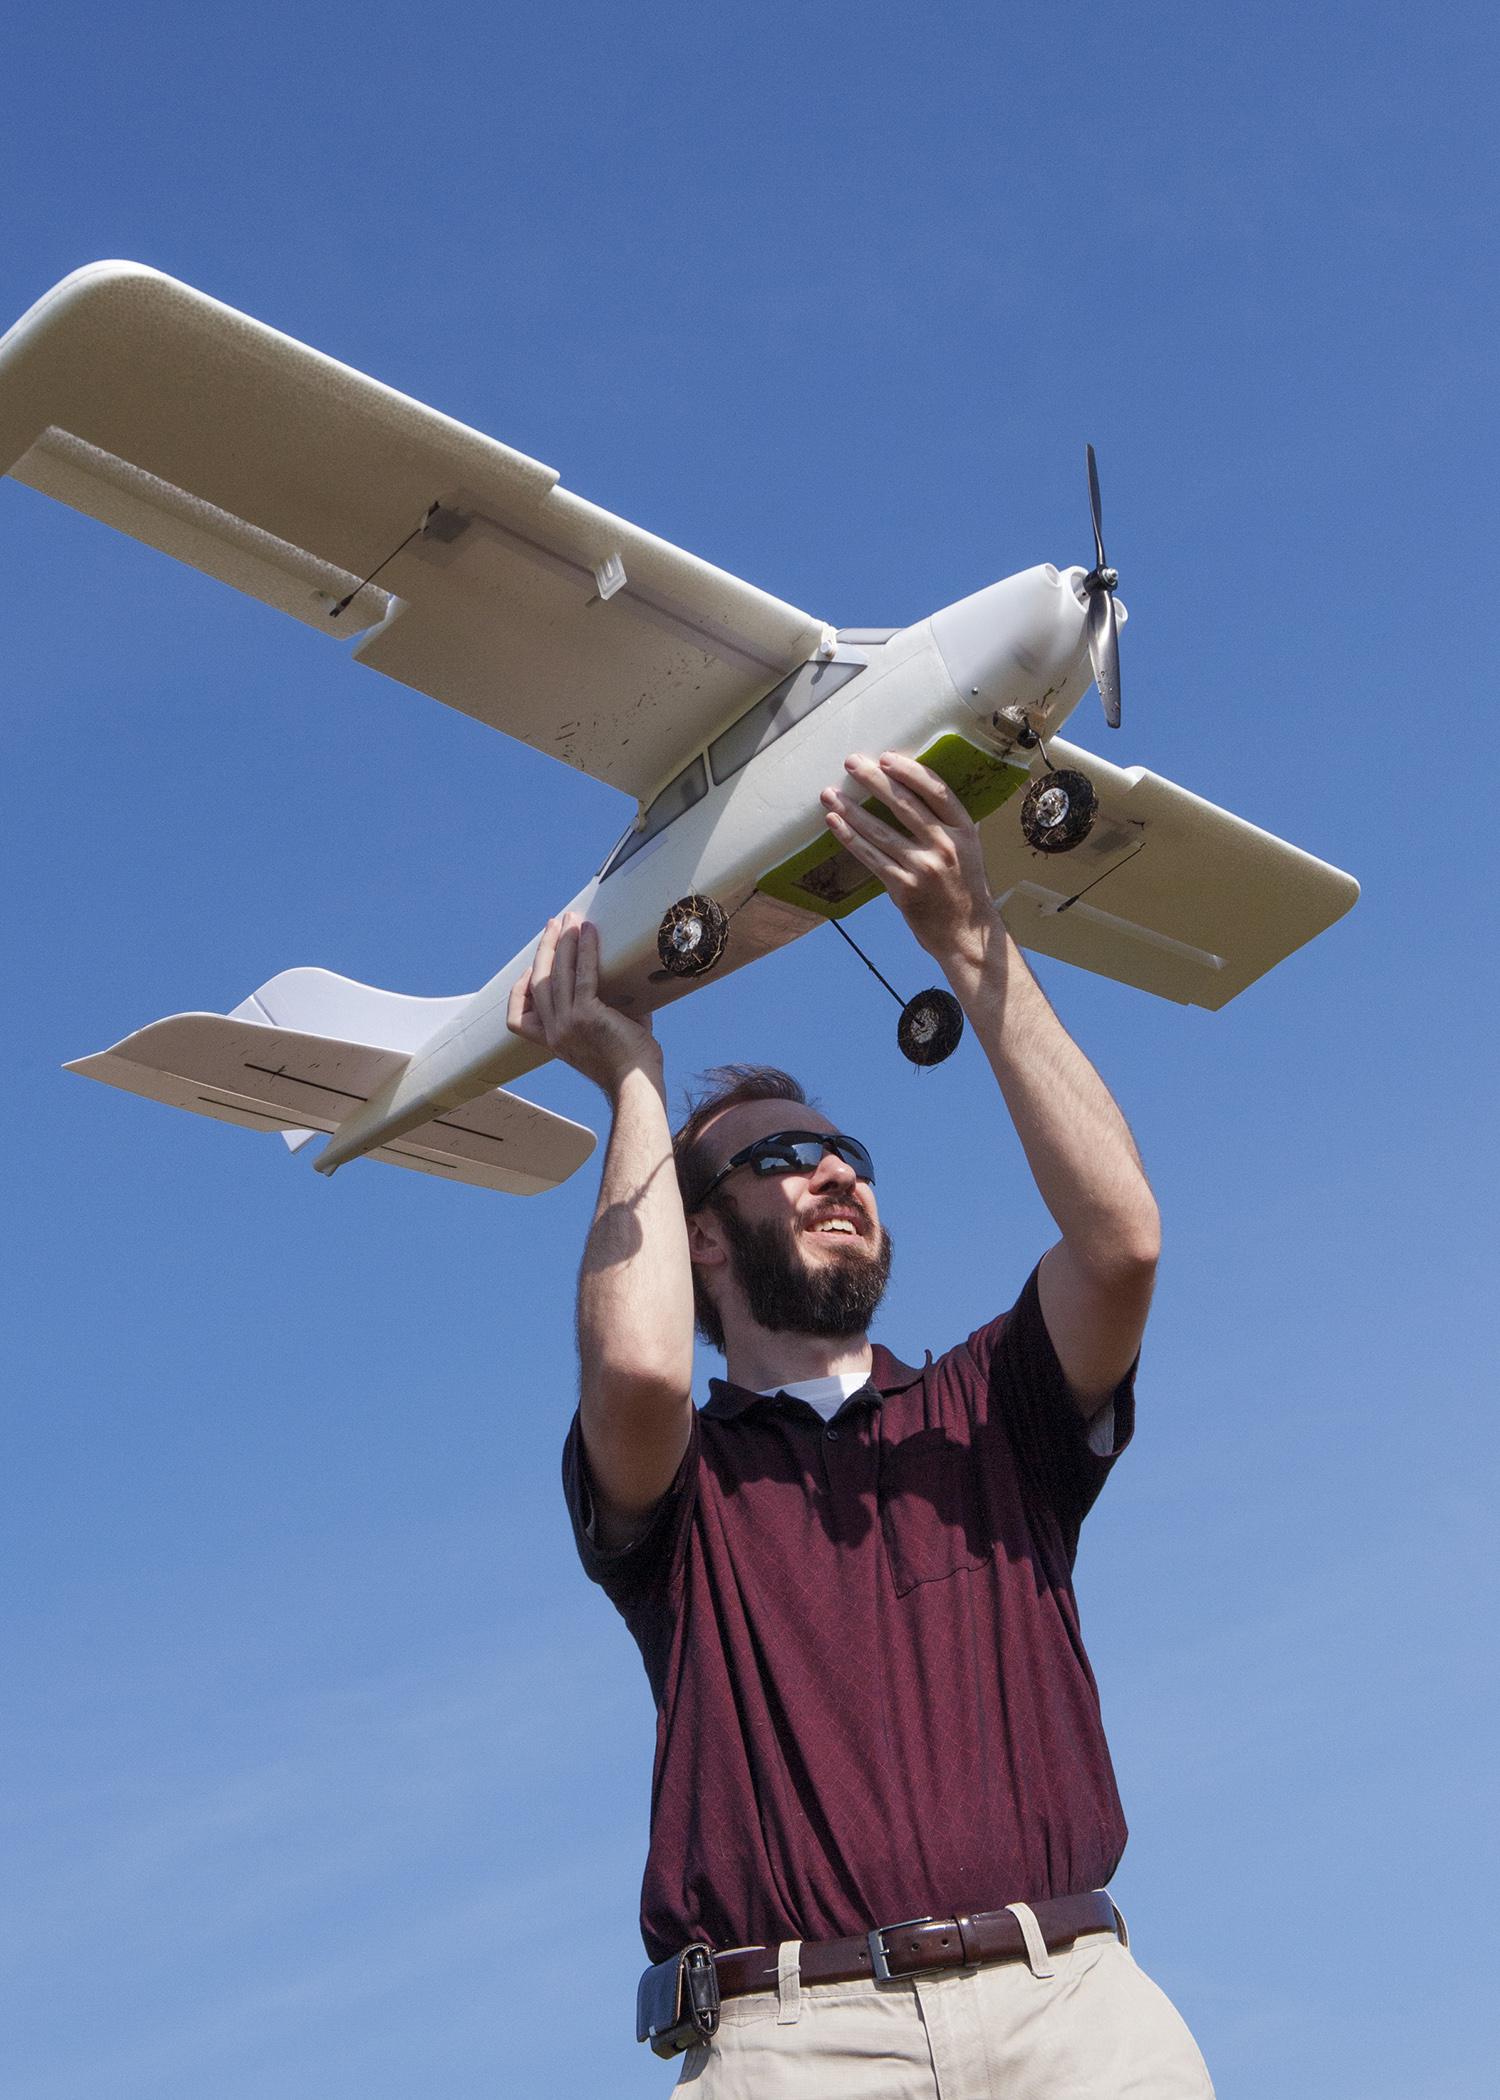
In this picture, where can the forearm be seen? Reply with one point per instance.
(635, 1294)
(1077, 1144)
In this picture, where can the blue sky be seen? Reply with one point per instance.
(327, 1772)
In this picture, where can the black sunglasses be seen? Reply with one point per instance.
(794, 1152)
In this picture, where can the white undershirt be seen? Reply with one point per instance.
(827, 1395)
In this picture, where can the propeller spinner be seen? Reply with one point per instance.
(1101, 584)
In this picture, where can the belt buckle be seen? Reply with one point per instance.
(879, 1961)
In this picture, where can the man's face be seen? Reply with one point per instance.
(807, 1251)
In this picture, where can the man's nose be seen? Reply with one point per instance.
(832, 1172)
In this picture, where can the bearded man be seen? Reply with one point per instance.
(883, 1813)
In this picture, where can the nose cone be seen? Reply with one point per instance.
(1015, 642)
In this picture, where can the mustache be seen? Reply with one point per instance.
(839, 1207)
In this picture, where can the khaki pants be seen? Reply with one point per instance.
(1083, 2023)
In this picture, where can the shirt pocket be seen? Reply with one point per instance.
(931, 1511)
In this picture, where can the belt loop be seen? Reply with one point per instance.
(788, 1983)
(1031, 1932)
(1121, 1928)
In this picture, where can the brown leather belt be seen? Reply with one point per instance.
(918, 1944)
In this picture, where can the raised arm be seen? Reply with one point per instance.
(1096, 1284)
(635, 1293)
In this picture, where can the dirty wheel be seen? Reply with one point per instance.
(930, 1027)
(1059, 810)
(692, 936)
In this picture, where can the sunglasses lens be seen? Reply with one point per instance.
(853, 1154)
(787, 1156)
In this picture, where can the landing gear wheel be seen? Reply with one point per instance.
(692, 936)
(930, 1027)
(1059, 810)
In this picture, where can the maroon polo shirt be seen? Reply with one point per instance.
(872, 1697)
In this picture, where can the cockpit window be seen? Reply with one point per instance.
(690, 786)
(807, 687)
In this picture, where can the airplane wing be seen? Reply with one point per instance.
(1167, 892)
(190, 426)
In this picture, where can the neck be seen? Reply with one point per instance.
(758, 1359)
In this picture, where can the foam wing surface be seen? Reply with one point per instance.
(1178, 897)
(283, 1080)
(248, 455)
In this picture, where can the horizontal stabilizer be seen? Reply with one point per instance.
(295, 1082)
(1166, 892)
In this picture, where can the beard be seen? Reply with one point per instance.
(787, 1294)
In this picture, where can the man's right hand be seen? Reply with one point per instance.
(556, 1002)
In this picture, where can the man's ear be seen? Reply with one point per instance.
(706, 1240)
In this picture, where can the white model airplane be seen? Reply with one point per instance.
(467, 572)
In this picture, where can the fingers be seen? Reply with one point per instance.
(565, 971)
(905, 802)
(564, 975)
(542, 964)
(586, 969)
(917, 842)
(867, 838)
(520, 1015)
(553, 971)
(924, 803)
(921, 782)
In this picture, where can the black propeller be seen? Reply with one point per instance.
(1101, 584)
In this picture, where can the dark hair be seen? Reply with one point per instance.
(727, 1086)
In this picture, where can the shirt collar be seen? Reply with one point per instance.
(887, 1375)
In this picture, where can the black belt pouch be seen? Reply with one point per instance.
(677, 2003)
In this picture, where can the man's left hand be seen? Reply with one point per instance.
(934, 870)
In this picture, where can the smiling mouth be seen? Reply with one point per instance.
(841, 1225)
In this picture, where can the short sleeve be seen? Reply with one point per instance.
(646, 1567)
(1065, 1457)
